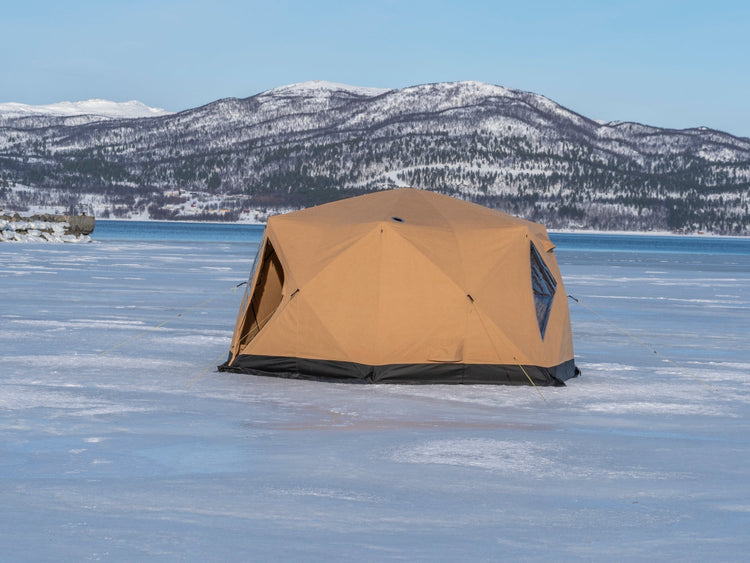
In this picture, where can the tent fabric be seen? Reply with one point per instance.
(408, 286)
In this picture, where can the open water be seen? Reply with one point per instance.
(220, 232)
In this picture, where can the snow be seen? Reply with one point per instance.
(37, 231)
(324, 87)
(98, 205)
(101, 108)
(123, 448)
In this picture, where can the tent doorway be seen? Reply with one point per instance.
(266, 293)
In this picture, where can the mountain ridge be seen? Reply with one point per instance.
(94, 106)
(312, 142)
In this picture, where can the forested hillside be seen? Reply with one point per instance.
(305, 144)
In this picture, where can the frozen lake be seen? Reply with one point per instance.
(122, 448)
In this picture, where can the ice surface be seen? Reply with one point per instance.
(118, 449)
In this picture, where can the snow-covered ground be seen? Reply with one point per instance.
(118, 449)
(193, 204)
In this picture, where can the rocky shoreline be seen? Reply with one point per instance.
(46, 228)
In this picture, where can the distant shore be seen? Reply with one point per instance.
(550, 230)
(553, 231)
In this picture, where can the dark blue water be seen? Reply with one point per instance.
(668, 244)
(165, 231)
(229, 232)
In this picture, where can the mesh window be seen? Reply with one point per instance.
(544, 286)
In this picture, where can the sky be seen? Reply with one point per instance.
(666, 63)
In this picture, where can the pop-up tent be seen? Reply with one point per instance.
(405, 286)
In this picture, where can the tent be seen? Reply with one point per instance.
(405, 286)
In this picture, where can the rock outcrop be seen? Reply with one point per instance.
(46, 228)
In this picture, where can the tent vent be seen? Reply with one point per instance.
(544, 285)
(397, 219)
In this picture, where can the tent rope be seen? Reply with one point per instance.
(530, 380)
(205, 371)
(161, 324)
(641, 342)
(497, 353)
(258, 324)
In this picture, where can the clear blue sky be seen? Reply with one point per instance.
(660, 62)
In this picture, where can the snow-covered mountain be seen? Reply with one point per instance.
(100, 108)
(324, 88)
(308, 143)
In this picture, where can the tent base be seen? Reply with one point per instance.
(451, 373)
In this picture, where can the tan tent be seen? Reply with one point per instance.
(405, 286)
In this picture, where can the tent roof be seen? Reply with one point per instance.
(308, 240)
(414, 206)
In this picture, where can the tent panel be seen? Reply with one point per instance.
(422, 311)
(486, 344)
(438, 245)
(491, 260)
(504, 296)
(297, 331)
(342, 300)
(307, 248)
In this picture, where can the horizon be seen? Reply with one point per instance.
(670, 64)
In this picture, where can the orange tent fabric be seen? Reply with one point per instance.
(405, 286)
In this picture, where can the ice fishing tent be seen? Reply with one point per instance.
(405, 286)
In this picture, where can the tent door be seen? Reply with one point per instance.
(266, 297)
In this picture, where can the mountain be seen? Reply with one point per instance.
(95, 109)
(313, 142)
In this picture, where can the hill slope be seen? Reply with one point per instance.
(313, 142)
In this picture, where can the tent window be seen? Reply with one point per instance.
(267, 293)
(544, 285)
